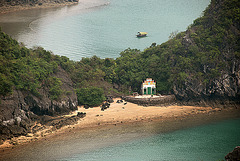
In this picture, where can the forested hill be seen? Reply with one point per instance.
(199, 66)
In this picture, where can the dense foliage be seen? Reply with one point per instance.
(29, 70)
(202, 53)
(92, 96)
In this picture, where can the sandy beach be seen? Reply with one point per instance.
(124, 114)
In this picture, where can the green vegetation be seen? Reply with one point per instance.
(55, 90)
(208, 49)
(92, 96)
(28, 69)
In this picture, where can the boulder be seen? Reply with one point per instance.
(86, 106)
(119, 101)
(81, 114)
(234, 155)
(105, 106)
(109, 99)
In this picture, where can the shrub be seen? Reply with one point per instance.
(92, 96)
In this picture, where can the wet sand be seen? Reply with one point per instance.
(119, 123)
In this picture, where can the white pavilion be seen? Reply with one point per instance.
(148, 87)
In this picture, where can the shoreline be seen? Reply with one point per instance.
(123, 116)
(9, 9)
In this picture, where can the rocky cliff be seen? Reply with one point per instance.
(20, 110)
(223, 91)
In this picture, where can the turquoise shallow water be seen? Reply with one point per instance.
(191, 139)
(207, 142)
(102, 27)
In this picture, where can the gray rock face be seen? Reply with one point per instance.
(20, 110)
(223, 90)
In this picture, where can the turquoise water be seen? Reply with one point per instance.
(208, 142)
(105, 28)
(102, 27)
(184, 140)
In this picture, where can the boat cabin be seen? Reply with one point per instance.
(149, 87)
(141, 34)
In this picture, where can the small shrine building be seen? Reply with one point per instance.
(148, 87)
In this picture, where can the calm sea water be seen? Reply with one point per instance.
(101, 27)
(209, 143)
(105, 28)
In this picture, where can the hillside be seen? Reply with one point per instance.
(201, 66)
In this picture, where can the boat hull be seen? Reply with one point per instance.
(141, 35)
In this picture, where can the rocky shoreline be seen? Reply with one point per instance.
(96, 123)
(13, 6)
(47, 125)
(119, 113)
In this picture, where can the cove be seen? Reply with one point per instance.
(101, 27)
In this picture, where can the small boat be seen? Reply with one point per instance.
(141, 34)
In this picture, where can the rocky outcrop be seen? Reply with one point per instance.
(105, 106)
(223, 91)
(234, 155)
(59, 122)
(19, 111)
